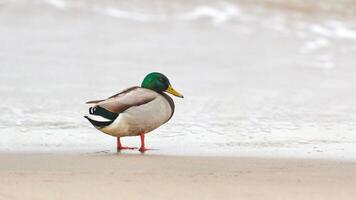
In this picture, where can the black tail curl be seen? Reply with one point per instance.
(97, 110)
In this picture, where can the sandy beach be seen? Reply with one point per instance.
(123, 176)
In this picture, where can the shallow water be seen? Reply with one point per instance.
(258, 81)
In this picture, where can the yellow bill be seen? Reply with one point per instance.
(174, 92)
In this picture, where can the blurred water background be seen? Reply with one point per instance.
(260, 77)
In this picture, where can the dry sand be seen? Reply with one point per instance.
(120, 176)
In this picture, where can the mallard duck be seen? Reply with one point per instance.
(135, 111)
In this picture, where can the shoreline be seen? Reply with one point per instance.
(43, 176)
(195, 154)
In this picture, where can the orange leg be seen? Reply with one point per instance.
(143, 148)
(120, 147)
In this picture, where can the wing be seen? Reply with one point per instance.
(130, 97)
(115, 95)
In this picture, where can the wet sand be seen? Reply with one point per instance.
(123, 176)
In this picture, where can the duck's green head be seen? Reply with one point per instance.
(159, 83)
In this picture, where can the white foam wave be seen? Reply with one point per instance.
(135, 16)
(217, 16)
(342, 32)
(338, 31)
